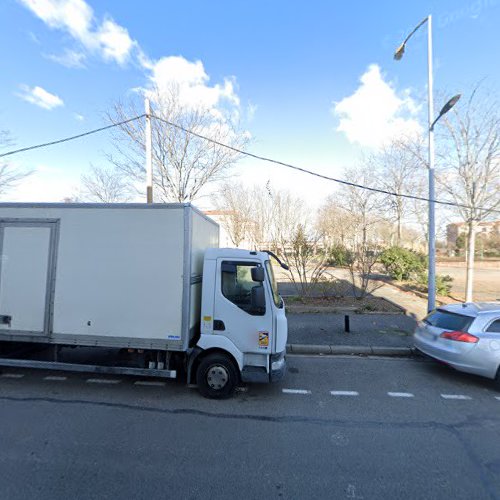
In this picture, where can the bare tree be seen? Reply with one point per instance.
(104, 186)
(307, 266)
(471, 166)
(334, 223)
(183, 163)
(10, 175)
(295, 239)
(361, 261)
(399, 169)
(236, 202)
(260, 227)
(364, 210)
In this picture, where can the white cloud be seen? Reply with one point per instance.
(69, 58)
(375, 113)
(191, 83)
(109, 39)
(113, 43)
(40, 97)
(78, 117)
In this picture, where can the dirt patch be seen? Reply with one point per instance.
(340, 304)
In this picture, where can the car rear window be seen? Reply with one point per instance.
(449, 321)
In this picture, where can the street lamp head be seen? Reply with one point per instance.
(445, 109)
(399, 52)
(450, 104)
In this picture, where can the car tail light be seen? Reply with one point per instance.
(460, 337)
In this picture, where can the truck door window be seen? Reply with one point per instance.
(239, 288)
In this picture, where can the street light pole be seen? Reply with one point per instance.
(431, 279)
(431, 276)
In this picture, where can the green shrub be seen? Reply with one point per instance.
(401, 263)
(443, 283)
(338, 256)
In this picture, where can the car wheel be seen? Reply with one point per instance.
(216, 376)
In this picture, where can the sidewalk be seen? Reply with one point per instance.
(414, 305)
(383, 334)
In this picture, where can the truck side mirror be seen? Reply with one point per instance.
(258, 299)
(258, 274)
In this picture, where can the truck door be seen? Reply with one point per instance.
(26, 276)
(239, 314)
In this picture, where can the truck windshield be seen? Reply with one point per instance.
(274, 285)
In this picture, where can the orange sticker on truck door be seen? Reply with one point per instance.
(263, 340)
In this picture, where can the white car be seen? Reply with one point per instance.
(464, 336)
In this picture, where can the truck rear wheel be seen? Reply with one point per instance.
(216, 376)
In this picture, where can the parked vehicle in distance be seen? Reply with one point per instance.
(137, 289)
(464, 336)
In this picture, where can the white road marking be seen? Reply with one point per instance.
(55, 377)
(455, 396)
(344, 393)
(103, 381)
(497, 397)
(151, 383)
(12, 375)
(295, 391)
(400, 394)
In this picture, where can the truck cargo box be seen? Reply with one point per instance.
(117, 275)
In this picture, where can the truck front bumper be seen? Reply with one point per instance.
(278, 366)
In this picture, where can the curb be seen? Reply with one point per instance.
(351, 350)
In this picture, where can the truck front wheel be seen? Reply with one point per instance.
(216, 376)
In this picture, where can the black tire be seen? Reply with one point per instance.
(216, 376)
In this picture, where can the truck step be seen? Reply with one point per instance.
(76, 367)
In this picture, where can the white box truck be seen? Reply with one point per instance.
(137, 289)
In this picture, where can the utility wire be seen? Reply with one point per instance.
(245, 153)
(316, 174)
(66, 139)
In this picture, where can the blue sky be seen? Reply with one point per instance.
(313, 82)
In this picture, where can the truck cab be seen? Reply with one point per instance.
(243, 331)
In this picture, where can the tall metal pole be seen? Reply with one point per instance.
(149, 161)
(431, 278)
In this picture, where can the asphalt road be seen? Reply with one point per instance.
(436, 435)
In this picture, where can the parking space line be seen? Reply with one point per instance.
(295, 391)
(12, 375)
(55, 378)
(344, 393)
(400, 394)
(151, 383)
(455, 396)
(102, 381)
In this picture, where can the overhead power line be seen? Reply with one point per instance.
(316, 174)
(73, 137)
(251, 155)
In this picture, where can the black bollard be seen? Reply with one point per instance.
(347, 326)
